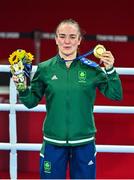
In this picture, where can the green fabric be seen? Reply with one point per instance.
(42, 151)
(70, 96)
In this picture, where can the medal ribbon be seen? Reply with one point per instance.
(86, 61)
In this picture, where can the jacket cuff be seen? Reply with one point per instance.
(110, 71)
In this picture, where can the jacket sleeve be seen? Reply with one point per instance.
(109, 84)
(32, 95)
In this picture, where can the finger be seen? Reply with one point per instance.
(106, 59)
(15, 79)
(108, 54)
(100, 62)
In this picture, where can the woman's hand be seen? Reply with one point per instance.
(20, 82)
(15, 79)
(107, 59)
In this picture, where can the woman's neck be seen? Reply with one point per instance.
(68, 57)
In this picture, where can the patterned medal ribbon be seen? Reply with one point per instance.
(97, 51)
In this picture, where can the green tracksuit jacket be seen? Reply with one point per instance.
(70, 95)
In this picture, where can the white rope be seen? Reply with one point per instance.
(4, 68)
(115, 148)
(97, 109)
(13, 130)
(21, 146)
(125, 71)
(37, 147)
(114, 109)
(121, 71)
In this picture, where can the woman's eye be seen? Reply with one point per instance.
(73, 37)
(61, 36)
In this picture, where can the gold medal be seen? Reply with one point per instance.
(99, 50)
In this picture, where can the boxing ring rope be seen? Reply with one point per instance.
(13, 146)
(97, 109)
(121, 71)
(37, 147)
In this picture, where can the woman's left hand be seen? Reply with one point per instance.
(107, 59)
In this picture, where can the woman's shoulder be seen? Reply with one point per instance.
(48, 62)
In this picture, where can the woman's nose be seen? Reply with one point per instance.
(67, 40)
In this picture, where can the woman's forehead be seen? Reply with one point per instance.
(67, 28)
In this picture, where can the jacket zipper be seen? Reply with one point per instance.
(67, 104)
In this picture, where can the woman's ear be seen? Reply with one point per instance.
(80, 39)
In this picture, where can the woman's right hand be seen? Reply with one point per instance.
(15, 79)
(20, 82)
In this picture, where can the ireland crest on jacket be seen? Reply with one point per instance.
(82, 76)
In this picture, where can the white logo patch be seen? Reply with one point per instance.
(54, 77)
(90, 163)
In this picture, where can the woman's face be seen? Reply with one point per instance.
(68, 39)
